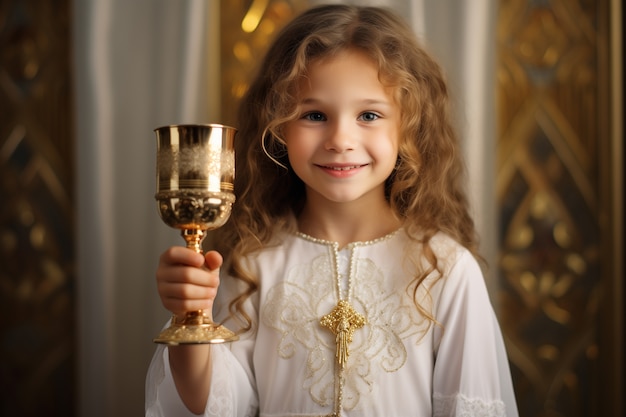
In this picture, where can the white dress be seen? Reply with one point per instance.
(399, 365)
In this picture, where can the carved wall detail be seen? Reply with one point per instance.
(247, 27)
(36, 210)
(551, 188)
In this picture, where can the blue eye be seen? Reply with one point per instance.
(315, 116)
(368, 116)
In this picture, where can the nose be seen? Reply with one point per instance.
(341, 137)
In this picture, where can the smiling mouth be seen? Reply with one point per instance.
(342, 168)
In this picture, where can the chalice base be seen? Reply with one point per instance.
(181, 333)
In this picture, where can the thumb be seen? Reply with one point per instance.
(213, 260)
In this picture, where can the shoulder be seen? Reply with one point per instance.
(449, 253)
(461, 288)
(448, 250)
(285, 248)
(456, 259)
(460, 273)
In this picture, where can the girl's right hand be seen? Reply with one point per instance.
(187, 280)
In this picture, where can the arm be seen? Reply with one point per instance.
(471, 367)
(223, 372)
(188, 281)
(191, 370)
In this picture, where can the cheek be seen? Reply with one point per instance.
(392, 162)
(300, 147)
(389, 153)
(298, 154)
(298, 164)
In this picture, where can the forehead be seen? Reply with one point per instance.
(339, 72)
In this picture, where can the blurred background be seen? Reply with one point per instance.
(538, 87)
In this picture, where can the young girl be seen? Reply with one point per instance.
(350, 253)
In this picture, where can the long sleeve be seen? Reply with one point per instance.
(232, 391)
(471, 374)
(233, 385)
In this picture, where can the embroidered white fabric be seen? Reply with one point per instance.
(461, 406)
(285, 366)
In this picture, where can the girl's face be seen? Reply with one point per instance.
(344, 144)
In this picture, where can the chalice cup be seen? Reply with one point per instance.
(195, 174)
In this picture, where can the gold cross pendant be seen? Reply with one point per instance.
(343, 320)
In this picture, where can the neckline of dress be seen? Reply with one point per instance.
(350, 245)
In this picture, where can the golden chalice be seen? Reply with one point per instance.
(195, 173)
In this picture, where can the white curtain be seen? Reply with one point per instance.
(138, 64)
(144, 63)
(461, 33)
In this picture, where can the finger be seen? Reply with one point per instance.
(180, 307)
(175, 291)
(213, 260)
(180, 255)
(180, 274)
(179, 298)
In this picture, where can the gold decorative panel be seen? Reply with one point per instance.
(37, 336)
(553, 188)
(247, 27)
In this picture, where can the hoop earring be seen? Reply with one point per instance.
(282, 150)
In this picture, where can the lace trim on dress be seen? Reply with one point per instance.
(156, 374)
(222, 400)
(461, 406)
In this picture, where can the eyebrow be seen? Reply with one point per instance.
(366, 102)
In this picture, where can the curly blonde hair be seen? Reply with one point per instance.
(426, 189)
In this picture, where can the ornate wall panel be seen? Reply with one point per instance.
(247, 26)
(553, 187)
(36, 214)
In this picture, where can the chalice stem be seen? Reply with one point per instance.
(194, 238)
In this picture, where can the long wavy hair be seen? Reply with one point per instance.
(426, 189)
